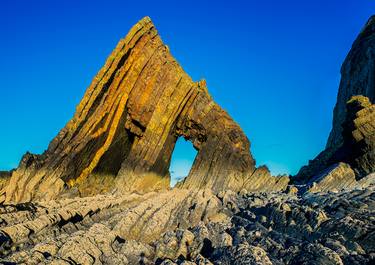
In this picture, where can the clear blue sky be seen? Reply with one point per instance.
(273, 65)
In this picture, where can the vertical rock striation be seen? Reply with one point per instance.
(125, 128)
(358, 148)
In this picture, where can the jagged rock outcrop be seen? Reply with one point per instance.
(122, 137)
(357, 148)
(4, 178)
(337, 177)
(357, 78)
(106, 228)
(185, 227)
(124, 130)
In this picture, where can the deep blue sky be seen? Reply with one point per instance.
(273, 65)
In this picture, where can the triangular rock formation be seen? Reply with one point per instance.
(125, 128)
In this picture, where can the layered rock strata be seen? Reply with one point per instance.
(358, 145)
(185, 227)
(337, 177)
(125, 128)
(4, 178)
(357, 78)
(122, 137)
(93, 230)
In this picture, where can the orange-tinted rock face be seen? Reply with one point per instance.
(125, 128)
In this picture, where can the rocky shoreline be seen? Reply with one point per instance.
(186, 227)
(100, 194)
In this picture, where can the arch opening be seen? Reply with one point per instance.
(182, 160)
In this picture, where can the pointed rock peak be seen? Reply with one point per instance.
(145, 19)
(125, 128)
(143, 23)
(368, 29)
(140, 28)
(371, 21)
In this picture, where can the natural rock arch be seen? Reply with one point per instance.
(125, 127)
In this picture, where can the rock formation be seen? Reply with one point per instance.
(4, 178)
(193, 228)
(358, 148)
(337, 177)
(358, 145)
(357, 78)
(125, 128)
(84, 210)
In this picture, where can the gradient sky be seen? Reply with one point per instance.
(273, 65)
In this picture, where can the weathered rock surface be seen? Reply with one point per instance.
(225, 212)
(357, 148)
(102, 228)
(357, 78)
(339, 176)
(125, 128)
(4, 178)
(185, 227)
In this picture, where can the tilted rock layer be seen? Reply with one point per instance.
(358, 146)
(122, 137)
(185, 227)
(125, 128)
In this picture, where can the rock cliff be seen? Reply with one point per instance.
(125, 128)
(357, 78)
(358, 143)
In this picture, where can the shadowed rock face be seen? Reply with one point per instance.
(358, 146)
(4, 178)
(125, 128)
(357, 78)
